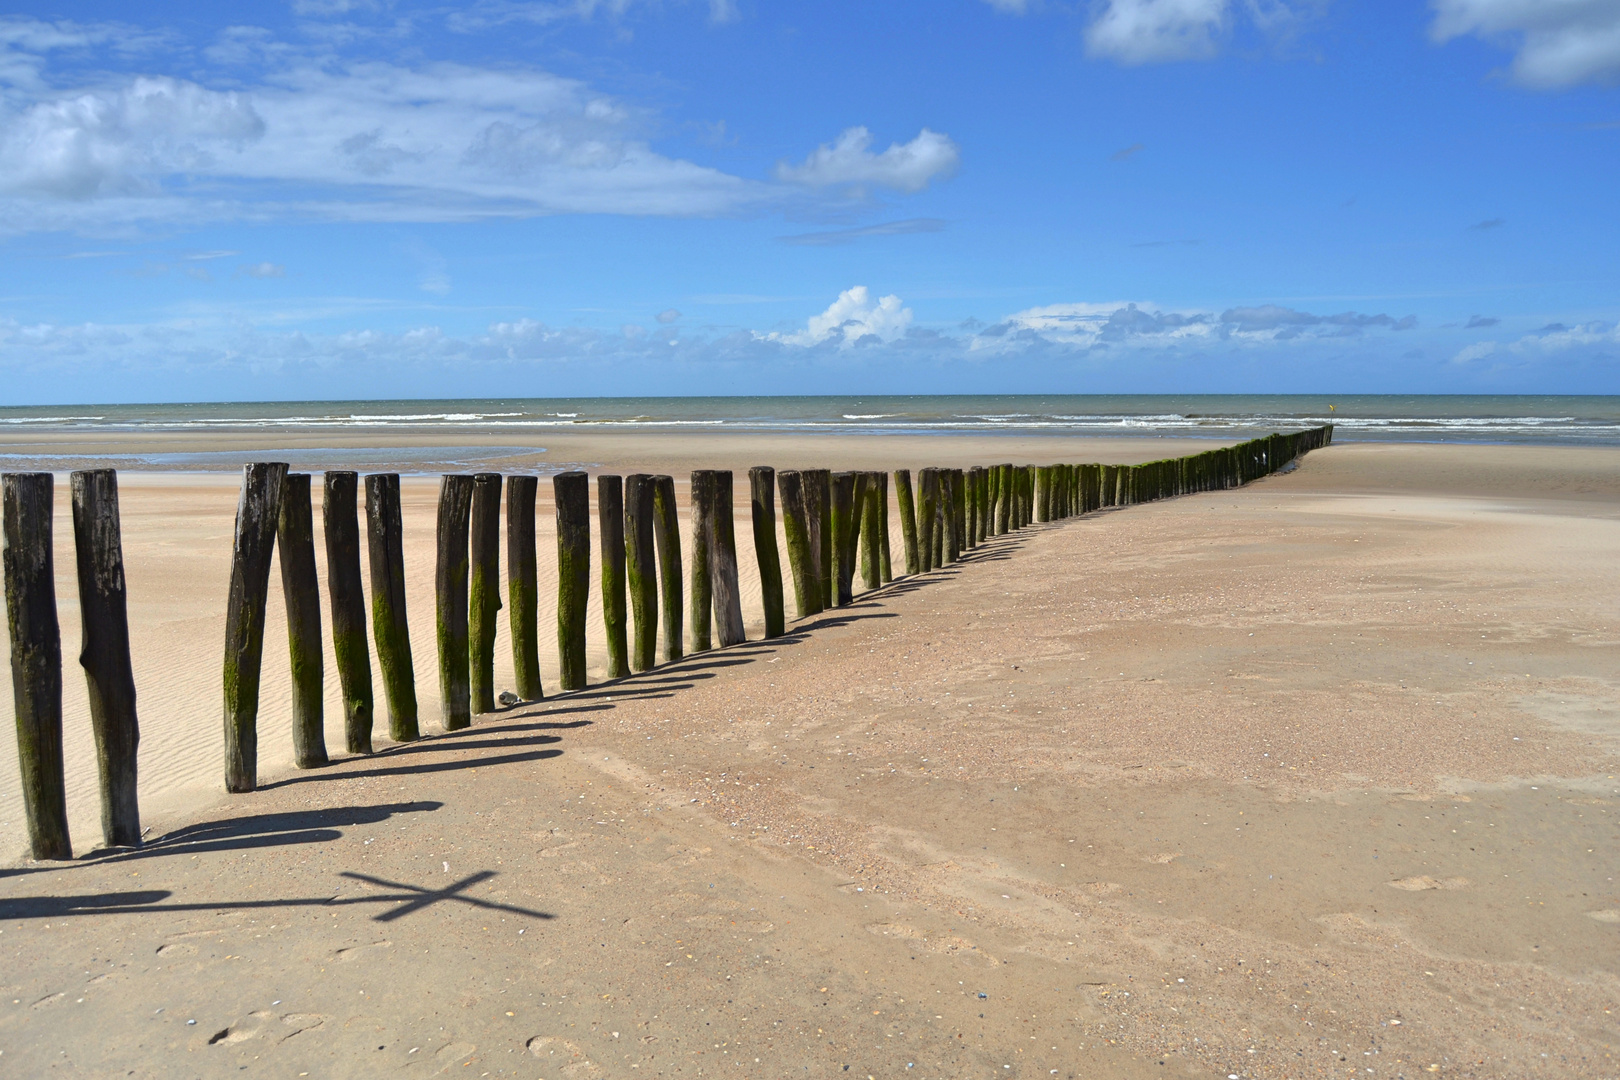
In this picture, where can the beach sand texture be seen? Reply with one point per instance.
(1314, 777)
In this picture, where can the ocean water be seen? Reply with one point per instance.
(1460, 418)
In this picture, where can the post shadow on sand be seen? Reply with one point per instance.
(243, 833)
(410, 898)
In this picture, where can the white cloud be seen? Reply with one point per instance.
(1010, 7)
(1596, 337)
(851, 317)
(849, 161)
(1144, 325)
(262, 270)
(1147, 31)
(668, 315)
(1558, 43)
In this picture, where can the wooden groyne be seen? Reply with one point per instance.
(835, 523)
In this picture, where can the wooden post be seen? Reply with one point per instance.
(959, 510)
(385, 543)
(728, 620)
(258, 511)
(970, 489)
(885, 566)
(928, 545)
(667, 532)
(762, 503)
(701, 602)
(871, 527)
(1043, 493)
(483, 589)
(301, 589)
(450, 593)
(36, 659)
(1003, 498)
(796, 523)
(641, 568)
(522, 586)
(103, 613)
(610, 526)
(843, 508)
(951, 549)
(572, 493)
(818, 503)
(908, 520)
(340, 524)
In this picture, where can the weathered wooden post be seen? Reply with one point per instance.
(450, 595)
(610, 527)
(36, 659)
(301, 590)
(340, 524)
(762, 503)
(104, 616)
(667, 533)
(641, 568)
(483, 589)
(385, 544)
(959, 510)
(871, 523)
(258, 511)
(970, 485)
(1003, 498)
(908, 520)
(885, 565)
(522, 586)
(928, 538)
(1043, 493)
(723, 582)
(571, 492)
(701, 602)
(796, 524)
(951, 549)
(843, 509)
(818, 503)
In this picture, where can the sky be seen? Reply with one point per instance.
(324, 199)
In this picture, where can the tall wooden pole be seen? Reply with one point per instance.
(104, 616)
(301, 589)
(36, 659)
(796, 524)
(641, 569)
(385, 542)
(340, 524)
(886, 566)
(928, 538)
(728, 620)
(701, 602)
(818, 499)
(871, 529)
(257, 514)
(572, 493)
(610, 529)
(450, 593)
(762, 505)
(483, 589)
(522, 586)
(908, 520)
(667, 533)
(843, 509)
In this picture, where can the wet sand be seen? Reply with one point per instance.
(1312, 778)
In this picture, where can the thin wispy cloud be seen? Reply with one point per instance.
(834, 237)
(1127, 153)
(1488, 224)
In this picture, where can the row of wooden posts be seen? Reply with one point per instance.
(835, 522)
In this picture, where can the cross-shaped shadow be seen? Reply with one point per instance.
(417, 898)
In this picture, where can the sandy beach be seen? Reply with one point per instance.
(1311, 778)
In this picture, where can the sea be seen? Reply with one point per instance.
(1516, 419)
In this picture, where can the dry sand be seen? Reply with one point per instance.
(1311, 778)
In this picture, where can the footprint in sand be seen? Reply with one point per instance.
(557, 1050)
(1424, 882)
(1609, 915)
(355, 952)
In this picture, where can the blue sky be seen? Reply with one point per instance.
(342, 198)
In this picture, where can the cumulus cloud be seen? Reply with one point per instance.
(1149, 31)
(1597, 340)
(668, 315)
(852, 318)
(1144, 325)
(1556, 43)
(849, 161)
(1282, 323)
